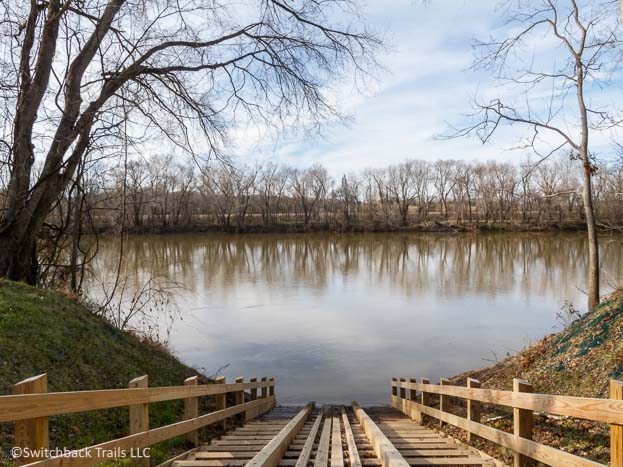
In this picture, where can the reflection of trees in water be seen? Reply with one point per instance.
(447, 265)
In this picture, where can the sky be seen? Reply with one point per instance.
(426, 85)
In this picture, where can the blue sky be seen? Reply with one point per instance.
(426, 83)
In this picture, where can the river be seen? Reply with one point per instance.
(333, 317)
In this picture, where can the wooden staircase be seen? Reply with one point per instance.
(308, 436)
(333, 436)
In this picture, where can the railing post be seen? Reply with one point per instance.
(616, 431)
(32, 434)
(264, 390)
(394, 386)
(253, 391)
(191, 409)
(271, 389)
(239, 398)
(221, 400)
(239, 395)
(444, 401)
(474, 407)
(522, 421)
(425, 396)
(413, 397)
(403, 390)
(412, 392)
(139, 417)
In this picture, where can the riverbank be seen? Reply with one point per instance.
(48, 332)
(362, 227)
(578, 361)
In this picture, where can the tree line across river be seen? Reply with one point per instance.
(164, 192)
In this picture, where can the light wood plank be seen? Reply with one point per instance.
(474, 408)
(26, 406)
(337, 456)
(589, 408)
(34, 433)
(322, 455)
(353, 453)
(616, 431)
(436, 452)
(522, 422)
(444, 401)
(191, 409)
(139, 417)
(271, 454)
(446, 461)
(306, 451)
(211, 463)
(384, 449)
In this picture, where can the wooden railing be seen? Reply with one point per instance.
(30, 406)
(412, 398)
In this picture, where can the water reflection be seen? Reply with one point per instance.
(333, 317)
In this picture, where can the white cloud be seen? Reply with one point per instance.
(427, 84)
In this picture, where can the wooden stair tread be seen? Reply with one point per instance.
(334, 437)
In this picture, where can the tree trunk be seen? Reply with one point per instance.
(593, 243)
(587, 194)
(18, 256)
(75, 242)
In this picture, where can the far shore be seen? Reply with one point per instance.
(325, 227)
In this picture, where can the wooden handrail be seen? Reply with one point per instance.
(94, 455)
(26, 406)
(540, 452)
(523, 404)
(588, 408)
(31, 405)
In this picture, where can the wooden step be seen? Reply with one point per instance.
(333, 437)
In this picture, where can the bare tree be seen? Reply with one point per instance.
(219, 189)
(587, 35)
(70, 70)
(402, 186)
(238, 195)
(423, 187)
(137, 175)
(309, 186)
(271, 184)
(444, 181)
(348, 196)
(462, 188)
(381, 184)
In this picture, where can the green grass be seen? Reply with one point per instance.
(47, 332)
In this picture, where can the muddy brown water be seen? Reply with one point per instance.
(333, 317)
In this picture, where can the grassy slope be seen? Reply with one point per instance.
(578, 361)
(45, 332)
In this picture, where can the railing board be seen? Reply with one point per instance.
(532, 449)
(384, 449)
(589, 408)
(271, 454)
(26, 406)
